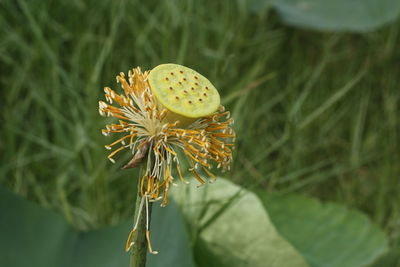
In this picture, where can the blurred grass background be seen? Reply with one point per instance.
(316, 113)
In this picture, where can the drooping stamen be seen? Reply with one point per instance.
(147, 227)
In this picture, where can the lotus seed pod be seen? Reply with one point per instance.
(183, 91)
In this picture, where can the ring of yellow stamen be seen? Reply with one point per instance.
(155, 132)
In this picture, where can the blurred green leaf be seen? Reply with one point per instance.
(169, 237)
(338, 15)
(390, 259)
(328, 234)
(33, 236)
(231, 228)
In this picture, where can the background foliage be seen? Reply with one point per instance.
(316, 112)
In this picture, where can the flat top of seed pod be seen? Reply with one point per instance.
(183, 90)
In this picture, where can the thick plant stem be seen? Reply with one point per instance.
(139, 249)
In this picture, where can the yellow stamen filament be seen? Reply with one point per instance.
(178, 167)
(121, 139)
(141, 185)
(198, 178)
(116, 151)
(149, 243)
(213, 177)
(129, 243)
(169, 150)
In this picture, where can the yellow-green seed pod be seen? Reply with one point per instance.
(183, 91)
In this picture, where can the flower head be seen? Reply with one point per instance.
(166, 115)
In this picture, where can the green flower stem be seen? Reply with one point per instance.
(139, 249)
